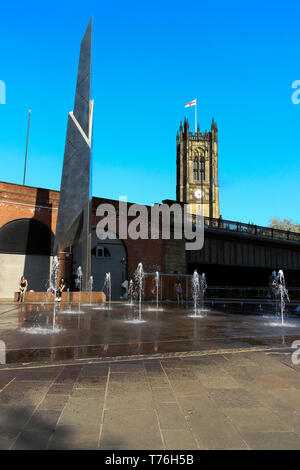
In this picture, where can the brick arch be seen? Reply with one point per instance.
(26, 236)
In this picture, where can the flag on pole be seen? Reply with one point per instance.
(192, 103)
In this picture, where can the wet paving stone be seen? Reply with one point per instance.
(33, 440)
(207, 370)
(290, 396)
(95, 370)
(132, 367)
(74, 437)
(170, 417)
(68, 375)
(158, 381)
(171, 331)
(61, 389)
(5, 379)
(126, 377)
(163, 395)
(179, 439)
(200, 406)
(235, 397)
(98, 393)
(180, 374)
(272, 382)
(129, 397)
(110, 411)
(91, 382)
(13, 420)
(256, 420)
(183, 388)
(272, 440)
(43, 420)
(6, 443)
(221, 381)
(46, 374)
(82, 411)
(53, 402)
(142, 430)
(205, 398)
(216, 433)
(23, 393)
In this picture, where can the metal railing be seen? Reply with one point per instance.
(249, 229)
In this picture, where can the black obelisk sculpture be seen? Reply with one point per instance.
(74, 212)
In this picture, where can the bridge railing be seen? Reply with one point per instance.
(250, 229)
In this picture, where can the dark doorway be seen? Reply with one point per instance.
(25, 248)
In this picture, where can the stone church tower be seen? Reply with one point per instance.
(197, 169)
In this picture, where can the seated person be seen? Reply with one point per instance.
(23, 284)
(61, 288)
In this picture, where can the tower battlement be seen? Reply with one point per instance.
(185, 134)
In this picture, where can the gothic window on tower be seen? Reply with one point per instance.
(202, 168)
(196, 170)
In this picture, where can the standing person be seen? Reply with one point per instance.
(61, 288)
(124, 287)
(178, 290)
(23, 284)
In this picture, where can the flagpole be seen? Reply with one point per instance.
(29, 112)
(196, 117)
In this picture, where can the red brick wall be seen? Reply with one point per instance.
(18, 201)
(149, 252)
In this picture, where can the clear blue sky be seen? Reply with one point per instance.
(238, 59)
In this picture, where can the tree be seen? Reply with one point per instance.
(284, 224)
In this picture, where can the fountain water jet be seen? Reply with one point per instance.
(203, 287)
(199, 287)
(139, 278)
(90, 287)
(281, 292)
(53, 284)
(138, 292)
(78, 282)
(195, 291)
(130, 292)
(107, 288)
(157, 287)
(155, 291)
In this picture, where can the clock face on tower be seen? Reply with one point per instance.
(199, 194)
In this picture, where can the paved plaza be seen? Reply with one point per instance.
(33, 334)
(225, 381)
(234, 400)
